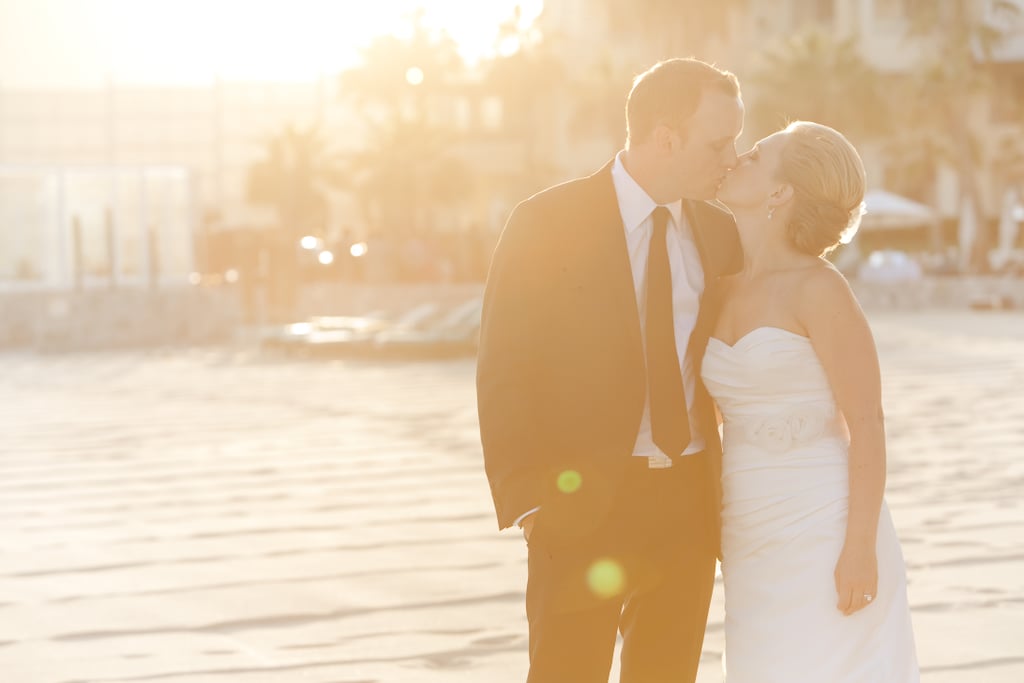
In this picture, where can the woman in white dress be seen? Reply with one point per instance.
(815, 584)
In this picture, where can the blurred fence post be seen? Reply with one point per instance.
(63, 269)
(142, 228)
(112, 264)
(76, 252)
(153, 247)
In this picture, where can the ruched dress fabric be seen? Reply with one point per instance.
(784, 509)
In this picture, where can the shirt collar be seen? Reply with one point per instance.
(635, 204)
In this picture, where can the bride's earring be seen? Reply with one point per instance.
(770, 212)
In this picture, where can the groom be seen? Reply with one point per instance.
(599, 439)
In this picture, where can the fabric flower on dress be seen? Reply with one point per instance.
(781, 432)
(771, 433)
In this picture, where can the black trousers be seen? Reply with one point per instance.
(648, 571)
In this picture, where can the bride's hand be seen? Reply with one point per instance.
(856, 578)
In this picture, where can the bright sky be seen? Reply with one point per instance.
(83, 42)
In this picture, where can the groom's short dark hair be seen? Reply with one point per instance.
(669, 93)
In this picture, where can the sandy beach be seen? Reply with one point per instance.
(220, 516)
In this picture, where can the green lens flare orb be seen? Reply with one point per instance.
(606, 578)
(569, 481)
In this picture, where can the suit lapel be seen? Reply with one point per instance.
(612, 253)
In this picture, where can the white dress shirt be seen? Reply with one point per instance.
(635, 206)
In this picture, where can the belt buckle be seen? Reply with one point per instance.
(659, 462)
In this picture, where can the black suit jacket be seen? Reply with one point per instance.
(560, 375)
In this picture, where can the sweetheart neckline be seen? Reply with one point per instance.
(752, 331)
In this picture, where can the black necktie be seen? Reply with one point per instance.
(670, 424)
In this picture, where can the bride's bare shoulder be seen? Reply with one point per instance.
(826, 275)
(824, 293)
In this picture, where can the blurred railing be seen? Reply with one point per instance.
(71, 321)
(951, 292)
(83, 227)
(102, 319)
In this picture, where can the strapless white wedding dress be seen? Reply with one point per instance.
(785, 487)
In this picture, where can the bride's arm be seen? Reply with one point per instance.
(843, 342)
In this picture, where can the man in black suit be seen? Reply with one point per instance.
(599, 439)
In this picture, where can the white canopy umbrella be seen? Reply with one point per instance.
(884, 210)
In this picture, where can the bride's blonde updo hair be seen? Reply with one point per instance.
(827, 176)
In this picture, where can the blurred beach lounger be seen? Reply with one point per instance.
(454, 334)
(425, 331)
(326, 330)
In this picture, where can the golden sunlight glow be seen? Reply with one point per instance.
(414, 76)
(69, 42)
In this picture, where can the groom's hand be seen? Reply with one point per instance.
(527, 526)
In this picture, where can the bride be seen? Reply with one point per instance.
(815, 584)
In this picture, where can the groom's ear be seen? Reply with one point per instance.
(662, 136)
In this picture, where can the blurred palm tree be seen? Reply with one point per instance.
(400, 78)
(295, 178)
(813, 76)
(913, 156)
(531, 83)
(946, 84)
(672, 27)
(407, 90)
(405, 173)
(640, 33)
(601, 102)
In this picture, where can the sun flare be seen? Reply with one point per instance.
(154, 41)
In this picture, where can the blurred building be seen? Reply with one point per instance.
(98, 162)
(589, 38)
(89, 155)
(103, 183)
(216, 131)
